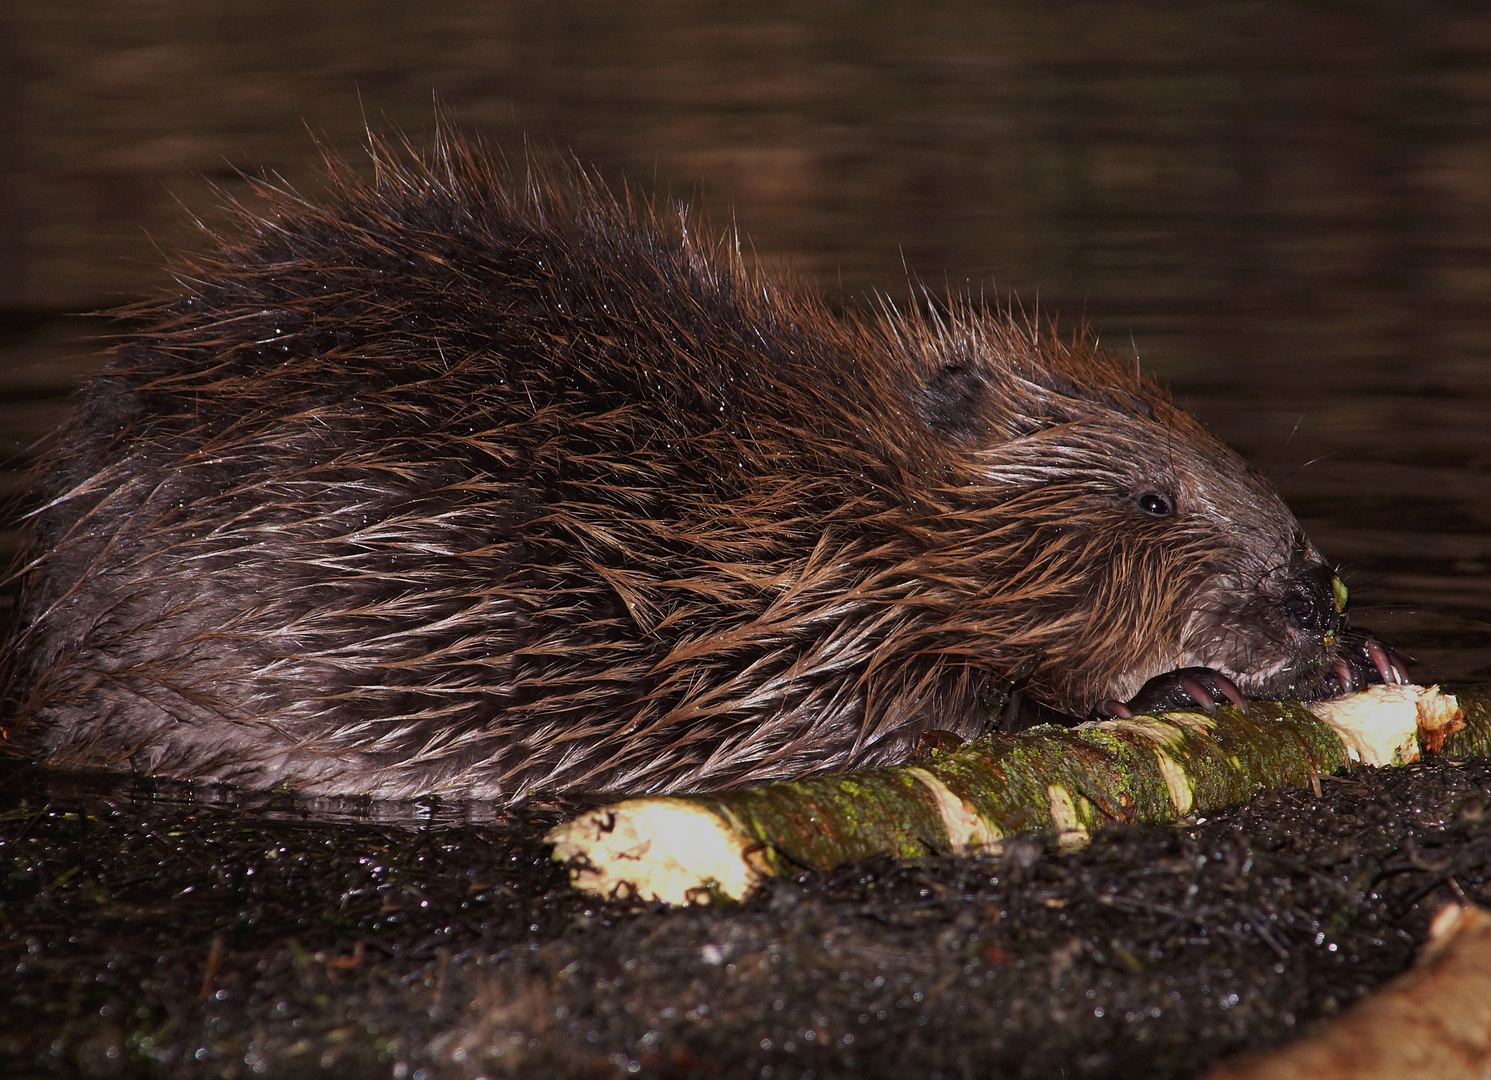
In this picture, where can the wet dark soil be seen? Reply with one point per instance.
(155, 929)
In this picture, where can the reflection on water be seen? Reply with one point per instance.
(1285, 209)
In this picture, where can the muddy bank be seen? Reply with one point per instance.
(154, 929)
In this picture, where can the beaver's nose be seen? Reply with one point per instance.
(1316, 600)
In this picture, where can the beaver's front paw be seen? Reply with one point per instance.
(1185, 688)
(1365, 660)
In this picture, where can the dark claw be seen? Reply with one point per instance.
(1209, 688)
(1365, 661)
(1183, 689)
(1388, 666)
(1199, 692)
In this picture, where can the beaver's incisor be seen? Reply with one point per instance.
(479, 485)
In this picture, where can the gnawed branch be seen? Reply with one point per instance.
(1057, 782)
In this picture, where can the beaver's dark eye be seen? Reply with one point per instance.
(1152, 502)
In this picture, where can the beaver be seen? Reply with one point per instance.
(472, 480)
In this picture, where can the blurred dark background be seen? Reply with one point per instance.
(1283, 208)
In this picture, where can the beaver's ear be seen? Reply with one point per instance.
(954, 402)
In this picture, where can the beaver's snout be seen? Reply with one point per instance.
(1315, 601)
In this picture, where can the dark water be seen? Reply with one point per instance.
(1284, 208)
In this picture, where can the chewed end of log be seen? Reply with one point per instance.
(657, 849)
(1389, 723)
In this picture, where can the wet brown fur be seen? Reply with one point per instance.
(478, 483)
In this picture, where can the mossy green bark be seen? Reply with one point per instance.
(1045, 780)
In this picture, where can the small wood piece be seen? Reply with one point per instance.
(1431, 1023)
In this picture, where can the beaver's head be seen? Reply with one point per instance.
(1120, 540)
